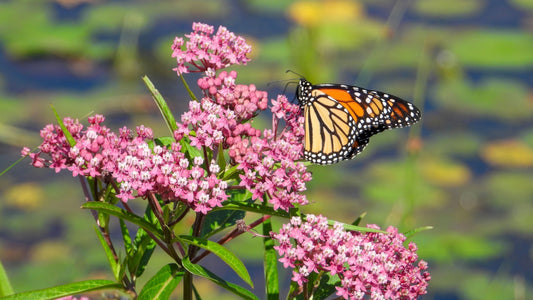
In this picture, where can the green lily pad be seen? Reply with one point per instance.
(523, 4)
(450, 8)
(494, 49)
(501, 99)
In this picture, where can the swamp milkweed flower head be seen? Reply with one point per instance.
(266, 161)
(367, 263)
(207, 52)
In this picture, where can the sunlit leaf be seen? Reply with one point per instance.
(66, 290)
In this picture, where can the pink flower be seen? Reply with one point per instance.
(368, 264)
(205, 52)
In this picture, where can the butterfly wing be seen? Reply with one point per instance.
(340, 119)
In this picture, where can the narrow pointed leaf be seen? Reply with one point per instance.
(66, 290)
(203, 272)
(145, 248)
(5, 285)
(359, 219)
(161, 104)
(270, 262)
(256, 208)
(410, 233)
(227, 256)
(123, 214)
(115, 266)
(162, 284)
(128, 246)
(67, 134)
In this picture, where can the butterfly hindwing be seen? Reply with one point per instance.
(340, 119)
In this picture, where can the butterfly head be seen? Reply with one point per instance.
(303, 91)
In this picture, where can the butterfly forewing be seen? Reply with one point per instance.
(340, 119)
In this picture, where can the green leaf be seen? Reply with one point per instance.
(115, 266)
(357, 228)
(145, 247)
(502, 49)
(67, 134)
(410, 233)
(270, 262)
(227, 256)
(162, 105)
(66, 290)
(359, 219)
(203, 272)
(128, 246)
(165, 141)
(123, 214)
(191, 150)
(163, 283)
(5, 285)
(252, 207)
(221, 159)
(326, 286)
(218, 220)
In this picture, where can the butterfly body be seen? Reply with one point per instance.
(339, 119)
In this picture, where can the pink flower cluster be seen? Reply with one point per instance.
(368, 264)
(130, 161)
(269, 163)
(244, 100)
(207, 52)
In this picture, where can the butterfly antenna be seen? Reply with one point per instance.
(298, 74)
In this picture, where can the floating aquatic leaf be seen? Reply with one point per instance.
(508, 153)
(450, 8)
(502, 99)
(504, 49)
(445, 172)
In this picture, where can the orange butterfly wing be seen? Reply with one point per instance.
(340, 119)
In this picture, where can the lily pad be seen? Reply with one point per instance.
(502, 99)
(494, 49)
(524, 4)
(450, 8)
(508, 154)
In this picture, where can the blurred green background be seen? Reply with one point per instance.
(466, 169)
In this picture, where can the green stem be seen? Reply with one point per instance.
(191, 94)
(187, 286)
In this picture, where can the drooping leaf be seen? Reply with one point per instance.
(227, 256)
(162, 105)
(66, 290)
(115, 266)
(203, 272)
(145, 247)
(161, 285)
(123, 214)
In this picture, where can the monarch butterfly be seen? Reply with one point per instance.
(339, 119)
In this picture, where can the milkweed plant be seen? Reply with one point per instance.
(214, 168)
